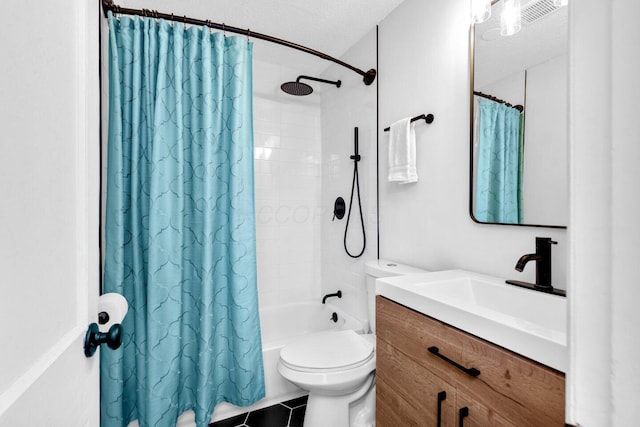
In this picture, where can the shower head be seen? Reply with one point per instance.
(296, 88)
(301, 89)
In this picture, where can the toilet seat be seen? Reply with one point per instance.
(328, 351)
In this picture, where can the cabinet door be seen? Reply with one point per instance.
(471, 413)
(408, 394)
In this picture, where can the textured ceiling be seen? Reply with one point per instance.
(330, 26)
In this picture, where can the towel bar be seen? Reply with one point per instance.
(428, 118)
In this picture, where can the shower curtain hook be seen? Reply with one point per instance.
(224, 30)
(248, 34)
(184, 21)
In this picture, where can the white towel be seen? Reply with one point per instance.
(402, 152)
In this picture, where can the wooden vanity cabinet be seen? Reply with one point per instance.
(417, 387)
(407, 394)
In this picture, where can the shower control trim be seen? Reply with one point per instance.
(339, 208)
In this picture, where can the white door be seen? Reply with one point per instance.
(49, 122)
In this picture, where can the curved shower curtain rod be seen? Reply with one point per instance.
(108, 5)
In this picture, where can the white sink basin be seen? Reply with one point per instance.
(531, 323)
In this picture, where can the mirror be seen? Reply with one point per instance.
(519, 141)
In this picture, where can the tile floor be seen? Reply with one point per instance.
(284, 414)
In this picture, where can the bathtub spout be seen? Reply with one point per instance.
(337, 294)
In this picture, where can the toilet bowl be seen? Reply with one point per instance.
(338, 367)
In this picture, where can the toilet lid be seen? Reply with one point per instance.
(327, 350)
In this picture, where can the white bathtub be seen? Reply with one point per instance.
(281, 325)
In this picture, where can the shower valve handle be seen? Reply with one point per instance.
(339, 209)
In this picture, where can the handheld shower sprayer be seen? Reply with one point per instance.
(355, 185)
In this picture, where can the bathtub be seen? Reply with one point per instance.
(281, 325)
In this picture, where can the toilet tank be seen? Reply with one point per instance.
(375, 269)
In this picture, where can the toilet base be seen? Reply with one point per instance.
(331, 410)
(363, 412)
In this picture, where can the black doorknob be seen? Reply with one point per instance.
(93, 338)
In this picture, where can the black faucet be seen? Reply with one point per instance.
(542, 257)
(337, 294)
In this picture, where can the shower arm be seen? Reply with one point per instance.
(316, 79)
(108, 5)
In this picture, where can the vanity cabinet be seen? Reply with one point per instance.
(431, 374)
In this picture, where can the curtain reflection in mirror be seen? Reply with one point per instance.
(499, 142)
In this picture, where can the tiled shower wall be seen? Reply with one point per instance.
(353, 104)
(287, 188)
(302, 149)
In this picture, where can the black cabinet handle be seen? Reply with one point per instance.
(469, 371)
(462, 414)
(441, 396)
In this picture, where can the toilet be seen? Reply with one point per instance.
(338, 367)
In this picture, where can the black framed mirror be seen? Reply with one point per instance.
(518, 129)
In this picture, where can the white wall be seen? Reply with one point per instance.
(546, 187)
(353, 104)
(509, 88)
(604, 93)
(287, 187)
(424, 68)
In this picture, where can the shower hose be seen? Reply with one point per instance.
(355, 186)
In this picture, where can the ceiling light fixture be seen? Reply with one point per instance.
(480, 10)
(510, 20)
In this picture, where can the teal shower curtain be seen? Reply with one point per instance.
(499, 169)
(180, 224)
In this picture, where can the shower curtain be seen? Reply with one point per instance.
(499, 165)
(180, 224)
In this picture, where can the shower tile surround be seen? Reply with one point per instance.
(353, 104)
(287, 188)
(302, 149)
